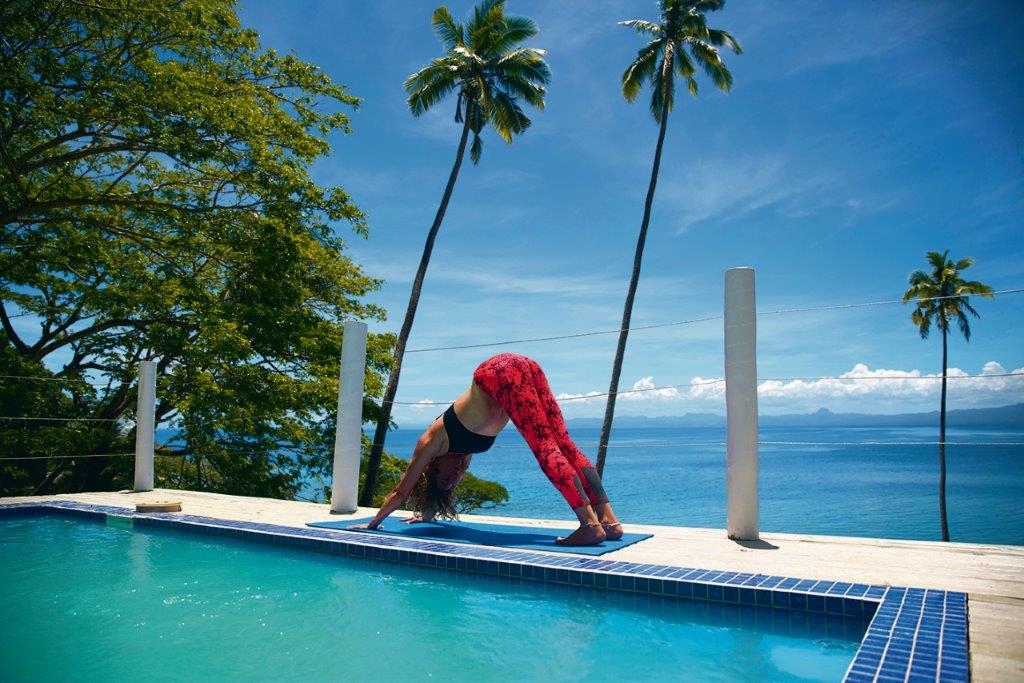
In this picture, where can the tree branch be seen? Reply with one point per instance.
(20, 345)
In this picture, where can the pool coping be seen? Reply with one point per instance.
(913, 634)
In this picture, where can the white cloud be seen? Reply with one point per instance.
(645, 390)
(426, 405)
(992, 386)
(588, 398)
(861, 389)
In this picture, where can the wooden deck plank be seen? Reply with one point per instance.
(991, 575)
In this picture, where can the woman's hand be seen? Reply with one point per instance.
(360, 527)
(416, 519)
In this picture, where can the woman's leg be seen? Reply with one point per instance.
(586, 471)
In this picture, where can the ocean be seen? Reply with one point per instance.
(877, 482)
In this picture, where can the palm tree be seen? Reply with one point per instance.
(942, 296)
(677, 45)
(489, 73)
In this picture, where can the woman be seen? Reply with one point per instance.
(507, 386)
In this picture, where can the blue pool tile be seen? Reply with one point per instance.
(804, 585)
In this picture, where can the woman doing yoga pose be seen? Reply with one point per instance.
(507, 386)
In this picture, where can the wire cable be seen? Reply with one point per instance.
(66, 457)
(565, 336)
(61, 419)
(66, 380)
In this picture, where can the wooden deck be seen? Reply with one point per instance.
(991, 575)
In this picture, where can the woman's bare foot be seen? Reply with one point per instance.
(612, 530)
(587, 534)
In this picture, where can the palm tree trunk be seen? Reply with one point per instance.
(384, 423)
(627, 311)
(942, 444)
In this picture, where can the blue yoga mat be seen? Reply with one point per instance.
(479, 533)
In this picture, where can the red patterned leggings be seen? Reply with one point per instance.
(519, 386)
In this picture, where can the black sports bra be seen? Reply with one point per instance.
(460, 439)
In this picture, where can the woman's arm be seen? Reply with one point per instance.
(432, 443)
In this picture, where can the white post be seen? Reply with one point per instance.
(145, 418)
(347, 441)
(741, 404)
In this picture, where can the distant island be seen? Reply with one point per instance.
(1008, 416)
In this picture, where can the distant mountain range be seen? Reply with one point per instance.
(1008, 416)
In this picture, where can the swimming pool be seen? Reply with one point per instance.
(642, 607)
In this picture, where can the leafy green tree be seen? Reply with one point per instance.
(942, 298)
(489, 73)
(680, 43)
(156, 204)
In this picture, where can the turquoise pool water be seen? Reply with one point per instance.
(89, 601)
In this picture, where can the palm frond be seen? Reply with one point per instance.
(526, 63)
(507, 117)
(482, 13)
(448, 31)
(516, 30)
(923, 322)
(964, 324)
(708, 5)
(486, 26)
(525, 89)
(642, 70)
(937, 260)
(476, 148)
(430, 84)
(683, 64)
(663, 90)
(643, 27)
(709, 59)
(721, 38)
(422, 99)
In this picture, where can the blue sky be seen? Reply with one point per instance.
(857, 137)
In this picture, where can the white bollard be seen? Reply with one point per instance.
(741, 404)
(347, 438)
(145, 418)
